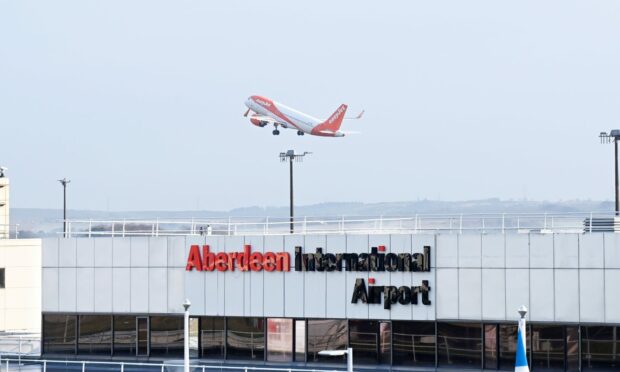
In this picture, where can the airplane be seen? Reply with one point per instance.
(268, 112)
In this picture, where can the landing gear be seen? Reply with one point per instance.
(275, 132)
(300, 133)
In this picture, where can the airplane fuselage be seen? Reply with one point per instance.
(287, 117)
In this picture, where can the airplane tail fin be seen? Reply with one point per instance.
(335, 121)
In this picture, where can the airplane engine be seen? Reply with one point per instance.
(258, 123)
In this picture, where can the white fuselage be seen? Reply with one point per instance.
(282, 114)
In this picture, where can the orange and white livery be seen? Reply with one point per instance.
(268, 112)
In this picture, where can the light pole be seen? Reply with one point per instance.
(521, 354)
(186, 306)
(348, 352)
(64, 183)
(290, 156)
(610, 137)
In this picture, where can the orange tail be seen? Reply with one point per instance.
(334, 121)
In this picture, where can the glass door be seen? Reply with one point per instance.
(142, 341)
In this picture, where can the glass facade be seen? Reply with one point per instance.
(95, 334)
(403, 344)
(213, 337)
(459, 345)
(600, 348)
(413, 343)
(279, 340)
(166, 336)
(59, 333)
(124, 335)
(547, 347)
(326, 334)
(245, 338)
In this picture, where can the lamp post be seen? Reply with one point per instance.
(610, 137)
(290, 156)
(64, 183)
(521, 355)
(348, 352)
(186, 306)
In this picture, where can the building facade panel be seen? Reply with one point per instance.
(139, 302)
(315, 285)
(518, 251)
(517, 290)
(139, 256)
(541, 251)
(612, 250)
(67, 253)
(591, 251)
(103, 252)
(612, 300)
(121, 252)
(103, 289)
(294, 282)
(447, 252)
(470, 250)
(566, 295)
(357, 244)
(493, 294)
(67, 287)
(542, 295)
(470, 294)
(493, 250)
(85, 287)
(158, 290)
(447, 288)
(85, 252)
(592, 296)
(566, 250)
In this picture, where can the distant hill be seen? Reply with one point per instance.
(42, 222)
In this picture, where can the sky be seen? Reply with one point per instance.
(140, 103)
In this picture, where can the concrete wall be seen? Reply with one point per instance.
(20, 300)
(560, 277)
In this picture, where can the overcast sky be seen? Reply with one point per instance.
(140, 103)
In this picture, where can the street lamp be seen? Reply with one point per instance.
(348, 352)
(290, 156)
(521, 352)
(186, 306)
(64, 183)
(610, 137)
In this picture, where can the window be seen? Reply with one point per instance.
(279, 340)
(245, 338)
(490, 346)
(364, 339)
(600, 348)
(300, 340)
(125, 335)
(213, 337)
(548, 347)
(459, 345)
(413, 343)
(166, 336)
(326, 334)
(508, 345)
(95, 335)
(59, 333)
(2, 278)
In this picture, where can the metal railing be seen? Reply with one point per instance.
(420, 223)
(21, 345)
(45, 365)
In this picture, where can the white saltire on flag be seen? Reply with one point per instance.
(521, 358)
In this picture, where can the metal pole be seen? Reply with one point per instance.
(186, 305)
(291, 191)
(349, 359)
(64, 209)
(617, 183)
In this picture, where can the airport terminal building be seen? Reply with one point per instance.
(401, 300)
